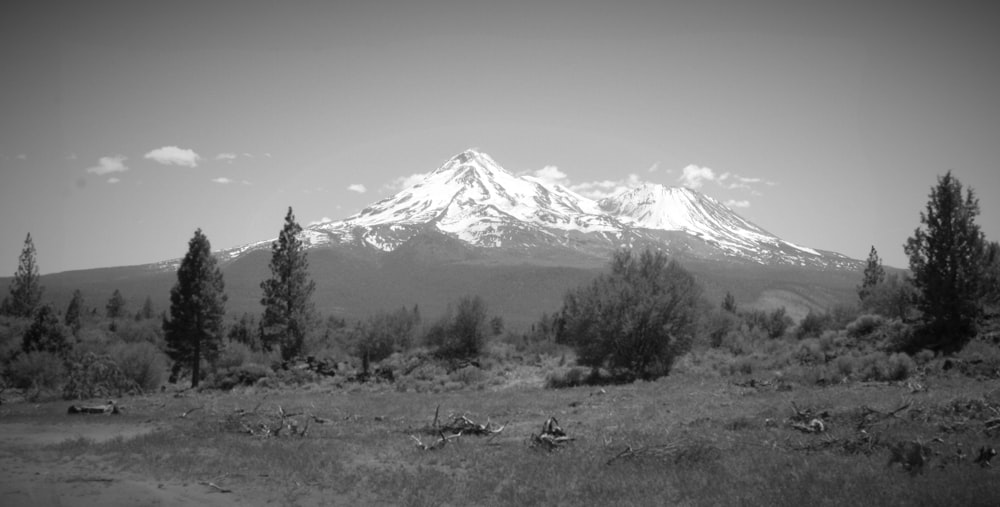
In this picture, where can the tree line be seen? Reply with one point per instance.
(634, 321)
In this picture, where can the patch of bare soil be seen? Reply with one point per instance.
(32, 476)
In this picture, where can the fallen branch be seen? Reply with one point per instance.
(551, 437)
(187, 413)
(216, 487)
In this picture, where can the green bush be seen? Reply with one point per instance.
(636, 320)
(900, 366)
(461, 333)
(865, 325)
(96, 375)
(233, 355)
(570, 377)
(468, 375)
(810, 352)
(148, 331)
(142, 363)
(37, 371)
(813, 325)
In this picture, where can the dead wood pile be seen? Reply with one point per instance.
(456, 426)
(551, 437)
(267, 424)
(808, 420)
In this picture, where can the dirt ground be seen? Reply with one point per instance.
(33, 476)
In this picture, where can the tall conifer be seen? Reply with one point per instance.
(26, 287)
(197, 308)
(287, 303)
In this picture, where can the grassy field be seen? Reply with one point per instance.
(693, 438)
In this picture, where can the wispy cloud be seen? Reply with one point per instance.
(21, 156)
(172, 155)
(695, 177)
(404, 182)
(72, 156)
(320, 221)
(112, 180)
(226, 157)
(357, 187)
(222, 181)
(591, 189)
(732, 203)
(107, 165)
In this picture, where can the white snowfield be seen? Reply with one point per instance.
(475, 200)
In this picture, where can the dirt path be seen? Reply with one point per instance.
(31, 475)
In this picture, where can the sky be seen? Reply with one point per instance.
(124, 126)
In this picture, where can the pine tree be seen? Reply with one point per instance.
(874, 275)
(287, 293)
(197, 308)
(115, 307)
(74, 312)
(46, 333)
(947, 264)
(25, 288)
(729, 303)
(146, 312)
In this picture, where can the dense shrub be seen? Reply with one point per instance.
(635, 320)
(37, 371)
(813, 325)
(865, 325)
(91, 375)
(242, 375)
(570, 377)
(141, 363)
(893, 298)
(773, 324)
(896, 336)
(142, 331)
(233, 354)
(879, 366)
(462, 332)
(468, 375)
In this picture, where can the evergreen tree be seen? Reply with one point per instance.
(26, 287)
(197, 307)
(115, 307)
(874, 274)
(287, 293)
(74, 312)
(946, 259)
(146, 312)
(46, 333)
(729, 303)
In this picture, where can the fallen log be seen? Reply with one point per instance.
(107, 409)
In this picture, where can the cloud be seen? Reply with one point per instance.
(172, 155)
(653, 168)
(320, 221)
(606, 188)
(550, 174)
(357, 187)
(738, 204)
(72, 156)
(227, 157)
(112, 180)
(222, 181)
(106, 165)
(21, 156)
(695, 176)
(405, 182)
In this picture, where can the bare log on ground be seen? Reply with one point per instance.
(108, 409)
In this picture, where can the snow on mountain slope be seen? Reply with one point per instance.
(654, 206)
(473, 199)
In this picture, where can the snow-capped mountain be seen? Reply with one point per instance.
(474, 200)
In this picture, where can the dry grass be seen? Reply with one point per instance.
(691, 438)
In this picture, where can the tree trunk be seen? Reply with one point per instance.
(197, 363)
